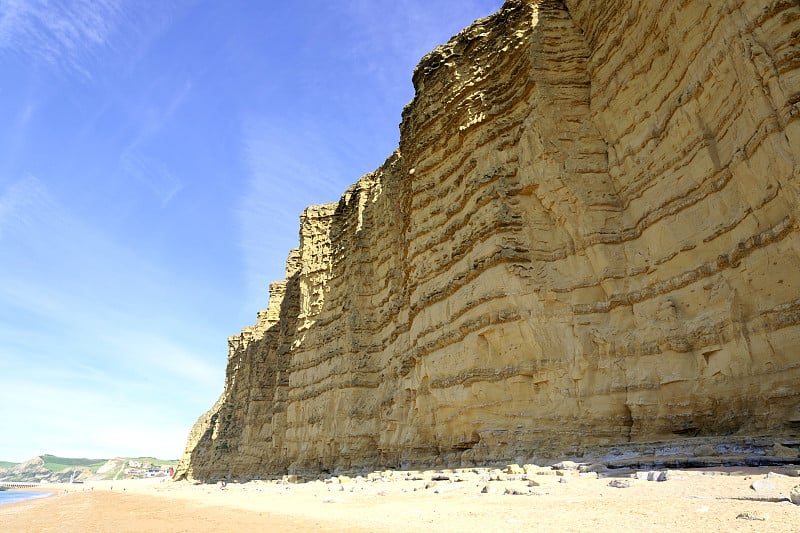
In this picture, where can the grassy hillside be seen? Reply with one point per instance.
(59, 464)
(53, 468)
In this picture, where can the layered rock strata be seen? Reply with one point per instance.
(588, 237)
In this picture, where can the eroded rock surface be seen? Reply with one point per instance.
(588, 236)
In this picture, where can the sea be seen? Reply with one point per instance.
(14, 496)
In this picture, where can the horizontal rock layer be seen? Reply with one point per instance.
(587, 237)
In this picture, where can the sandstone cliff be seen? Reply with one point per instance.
(588, 236)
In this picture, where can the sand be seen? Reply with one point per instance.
(707, 500)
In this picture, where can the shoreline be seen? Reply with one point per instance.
(446, 500)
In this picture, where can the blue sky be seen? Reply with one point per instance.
(154, 160)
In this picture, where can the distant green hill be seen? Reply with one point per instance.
(59, 464)
(52, 468)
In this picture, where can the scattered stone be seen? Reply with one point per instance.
(440, 477)
(763, 499)
(332, 500)
(488, 489)
(794, 495)
(446, 488)
(589, 475)
(652, 476)
(534, 483)
(566, 465)
(516, 492)
(620, 483)
(763, 485)
(563, 480)
(336, 488)
(752, 515)
(596, 467)
(530, 469)
(658, 476)
(515, 469)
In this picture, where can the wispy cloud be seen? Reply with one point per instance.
(19, 202)
(289, 168)
(63, 34)
(302, 158)
(152, 173)
(393, 37)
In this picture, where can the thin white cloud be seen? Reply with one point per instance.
(289, 168)
(302, 160)
(62, 34)
(19, 204)
(152, 173)
(393, 37)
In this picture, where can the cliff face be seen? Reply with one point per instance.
(588, 236)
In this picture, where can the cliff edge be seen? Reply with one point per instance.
(588, 237)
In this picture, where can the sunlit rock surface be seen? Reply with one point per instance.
(588, 236)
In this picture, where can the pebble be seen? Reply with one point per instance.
(619, 483)
(752, 515)
(794, 495)
(652, 476)
(488, 489)
(763, 485)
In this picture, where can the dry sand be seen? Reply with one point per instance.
(695, 500)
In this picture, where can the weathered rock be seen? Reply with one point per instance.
(588, 236)
(652, 476)
(753, 515)
(763, 485)
(515, 469)
(489, 489)
(567, 466)
(784, 451)
(794, 495)
(620, 483)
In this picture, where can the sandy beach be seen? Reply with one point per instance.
(733, 499)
